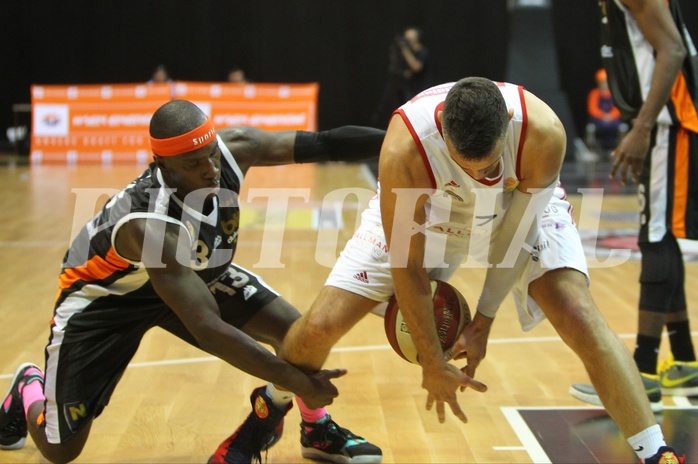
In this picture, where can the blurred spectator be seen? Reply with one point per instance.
(409, 72)
(415, 67)
(237, 75)
(160, 75)
(605, 126)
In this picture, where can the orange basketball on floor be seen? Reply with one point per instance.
(451, 314)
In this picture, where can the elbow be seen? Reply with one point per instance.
(678, 53)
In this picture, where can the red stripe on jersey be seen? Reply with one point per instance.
(524, 127)
(418, 142)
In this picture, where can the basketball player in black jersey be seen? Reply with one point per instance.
(159, 254)
(652, 70)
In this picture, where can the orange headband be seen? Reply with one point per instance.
(192, 140)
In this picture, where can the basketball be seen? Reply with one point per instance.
(451, 314)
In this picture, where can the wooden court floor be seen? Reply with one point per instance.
(175, 403)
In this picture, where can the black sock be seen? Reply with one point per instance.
(646, 353)
(680, 340)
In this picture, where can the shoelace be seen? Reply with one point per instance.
(665, 364)
(332, 427)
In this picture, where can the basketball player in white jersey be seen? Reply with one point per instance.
(469, 172)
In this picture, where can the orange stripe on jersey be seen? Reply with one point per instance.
(96, 268)
(678, 215)
(683, 104)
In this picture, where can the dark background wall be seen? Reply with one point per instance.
(342, 44)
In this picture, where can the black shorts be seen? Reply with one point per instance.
(86, 359)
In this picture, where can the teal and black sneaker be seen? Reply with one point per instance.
(13, 423)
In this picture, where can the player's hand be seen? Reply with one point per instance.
(322, 392)
(442, 382)
(629, 157)
(472, 342)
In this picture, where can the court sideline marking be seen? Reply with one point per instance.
(348, 349)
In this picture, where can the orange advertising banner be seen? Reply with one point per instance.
(108, 124)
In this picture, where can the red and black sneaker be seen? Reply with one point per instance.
(665, 455)
(260, 431)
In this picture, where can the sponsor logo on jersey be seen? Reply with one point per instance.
(362, 277)
(248, 291)
(453, 195)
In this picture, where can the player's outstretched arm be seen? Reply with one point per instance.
(164, 248)
(256, 147)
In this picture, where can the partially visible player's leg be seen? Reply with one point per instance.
(83, 367)
(564, 297)
(334, 312)
(322, 327)
(661, 291)
(55, 452)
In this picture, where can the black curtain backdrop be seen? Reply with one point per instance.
(342, 44)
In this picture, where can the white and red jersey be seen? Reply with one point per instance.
(463, 214)
(465, 210)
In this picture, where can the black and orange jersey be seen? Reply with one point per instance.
(629, 62)
(93, 268)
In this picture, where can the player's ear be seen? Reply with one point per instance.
(511, 113)
(439, 113)
(160, 162)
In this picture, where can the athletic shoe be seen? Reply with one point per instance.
(679, 378)
(665, 455)
(260, 431)
(13, 422)
(587, 393)
(325, 440)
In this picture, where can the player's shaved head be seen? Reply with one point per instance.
(176, 118)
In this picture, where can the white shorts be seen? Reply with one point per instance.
(363, 266)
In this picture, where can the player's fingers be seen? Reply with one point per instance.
(467, 380)
(468, 370)
(636, 171)
(430, 402)
(335, 373)
(475, 385)
(622, 173)
(614, 166)
(457, 351)
(440, 412)
(457, 411)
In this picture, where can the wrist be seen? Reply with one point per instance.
(643, 126)
(432, 364)
(482, 321)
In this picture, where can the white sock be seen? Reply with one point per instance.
(647, 442)
(280, 398)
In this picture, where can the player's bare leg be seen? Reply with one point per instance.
(333, 314)
(307, 344)
(564, 297)
(56, 453)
